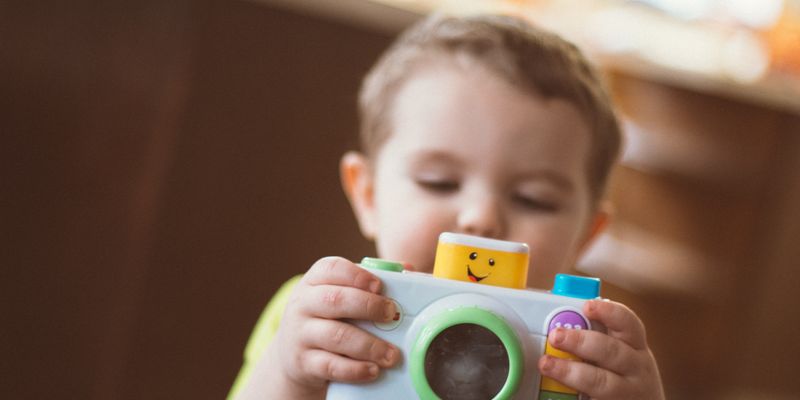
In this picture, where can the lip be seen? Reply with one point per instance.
(474, 277)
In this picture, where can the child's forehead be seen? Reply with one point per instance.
(475, 121)
(453, 91)
(474, 107)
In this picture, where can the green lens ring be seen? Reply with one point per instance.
(465, 315)
(384, 265)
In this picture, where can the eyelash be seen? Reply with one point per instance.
(444, 186)
(439, 186)
(535, 204)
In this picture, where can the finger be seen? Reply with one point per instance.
(333, 367)
(341, 272)
(348, 340)
(598, 348)
(334, 302)
(585, 378)
(620, 321)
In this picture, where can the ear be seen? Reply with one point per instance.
(358, 185)
(599, 223)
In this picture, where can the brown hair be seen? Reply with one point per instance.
(531, 59)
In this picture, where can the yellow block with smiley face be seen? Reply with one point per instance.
(481, 260)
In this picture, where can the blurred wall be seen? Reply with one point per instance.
(165, 166)
(721, 186)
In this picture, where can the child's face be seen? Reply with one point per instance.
(469, 153)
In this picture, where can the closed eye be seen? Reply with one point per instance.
(438, 185)
(535, 204)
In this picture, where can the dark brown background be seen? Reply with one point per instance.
(167, 164)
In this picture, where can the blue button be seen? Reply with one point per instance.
(580, 287)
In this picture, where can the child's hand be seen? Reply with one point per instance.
(622, 366)
(312, 347)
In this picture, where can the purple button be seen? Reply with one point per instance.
(568, 320)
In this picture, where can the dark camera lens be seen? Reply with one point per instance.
(466, 361)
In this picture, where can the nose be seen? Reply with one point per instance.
(482, 216)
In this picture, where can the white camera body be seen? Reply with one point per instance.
(432, 309)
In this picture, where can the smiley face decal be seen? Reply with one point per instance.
(474, 258)
(481, 260)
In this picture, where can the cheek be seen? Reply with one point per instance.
(549, 260)
(408, 231)
(407, 221)
(554, 248)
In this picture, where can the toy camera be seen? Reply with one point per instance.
(470, 331)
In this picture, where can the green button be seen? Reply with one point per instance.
(377, 263)
(545, 395)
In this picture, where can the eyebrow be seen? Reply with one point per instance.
(438, 156)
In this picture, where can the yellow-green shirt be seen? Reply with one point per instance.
(262, 335)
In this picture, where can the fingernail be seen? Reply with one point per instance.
(374, 286)
(591, 306)
(548, 363)
(558, 336)
(388, 358)
(389, 311)
(373, 370)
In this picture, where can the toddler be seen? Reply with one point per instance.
(479, 125)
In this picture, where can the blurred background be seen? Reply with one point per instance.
(167, 164)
